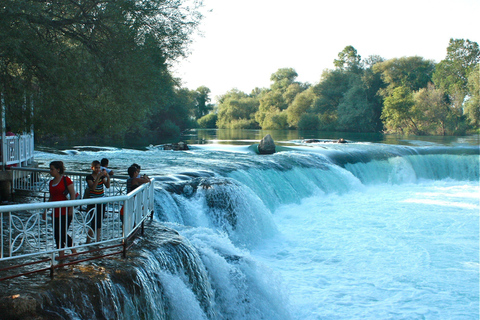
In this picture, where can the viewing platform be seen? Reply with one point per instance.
(27, 242)
(16, 152)
(99, 227)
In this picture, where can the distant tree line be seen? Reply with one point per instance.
(100, 69)
(407, 95)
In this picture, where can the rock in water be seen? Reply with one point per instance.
(266, 146)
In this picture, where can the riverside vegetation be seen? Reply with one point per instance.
(100, 69)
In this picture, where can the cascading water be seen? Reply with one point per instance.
(321, 231)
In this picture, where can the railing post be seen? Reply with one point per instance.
(136, 208)
(52, 269)
(124, 252)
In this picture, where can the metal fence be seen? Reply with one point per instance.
(36, 181)
(31, 234)
(17, 150)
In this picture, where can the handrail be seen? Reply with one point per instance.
(25, 234)
(36, 180)
(17, 150)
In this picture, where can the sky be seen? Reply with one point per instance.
(243, 42)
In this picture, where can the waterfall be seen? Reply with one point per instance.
(213, 210)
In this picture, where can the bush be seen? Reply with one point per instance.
(208, 121)
(308, 121)
(243, 124)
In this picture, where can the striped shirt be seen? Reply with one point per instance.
(99, 191)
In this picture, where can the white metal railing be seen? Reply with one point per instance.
(36, 180)
(24, 232)
(17, 150)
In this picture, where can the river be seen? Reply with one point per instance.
(382, 227)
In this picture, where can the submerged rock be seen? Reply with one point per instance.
(266, 146)
(137, 287)
(176, 146)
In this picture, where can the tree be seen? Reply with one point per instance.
(276, 120)
(236, 109)
(354, 111)
(209, 121)
(452, 73)
(202, 99)
(373, 84)
(308, 121)
(399, 112)
(84, 60)
(291, 92)
(413, 73)
(302, 103)
(329, 92)
(433, 108)
(472, 105)
(271, 103)
(283, 78)
(349, 60)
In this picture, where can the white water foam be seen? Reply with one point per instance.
(407, 251)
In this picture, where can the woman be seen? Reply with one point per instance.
(59, 187)
(96, 182)
(134, 181)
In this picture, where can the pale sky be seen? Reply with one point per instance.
(245, 41)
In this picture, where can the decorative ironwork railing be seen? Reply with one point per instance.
(36, 181)
(17, 150)
(32, 231)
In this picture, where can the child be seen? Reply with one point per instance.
(104, 165)
(96, 181)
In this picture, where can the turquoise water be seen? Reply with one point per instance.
(364, 230)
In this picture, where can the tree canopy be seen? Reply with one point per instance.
(99, 68)
(403, 95)
(93, 68)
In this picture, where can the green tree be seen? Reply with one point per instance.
(302, 103)
(236, 109)
(399, 111)
(354, 111)
(291, 92)
(276, 120)
(208, 121)
(83, 60)
(308, 121)
(283, 78)
(472, 105)
(271, 103)
(433, 110)
(329, 92)
(349, 60)
(452, 73)
(202, 102)
(413, 73)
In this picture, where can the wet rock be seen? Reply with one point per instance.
(176, 146)
(266, 146)
(19, 307)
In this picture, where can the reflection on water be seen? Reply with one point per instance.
(249, 137)
(244, 136)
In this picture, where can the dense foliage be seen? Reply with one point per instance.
(99, 68)
(404, 95)
(96, 68)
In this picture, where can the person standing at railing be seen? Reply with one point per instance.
(104, 165)
(96, 182)
(134, 181)
(59, 187)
